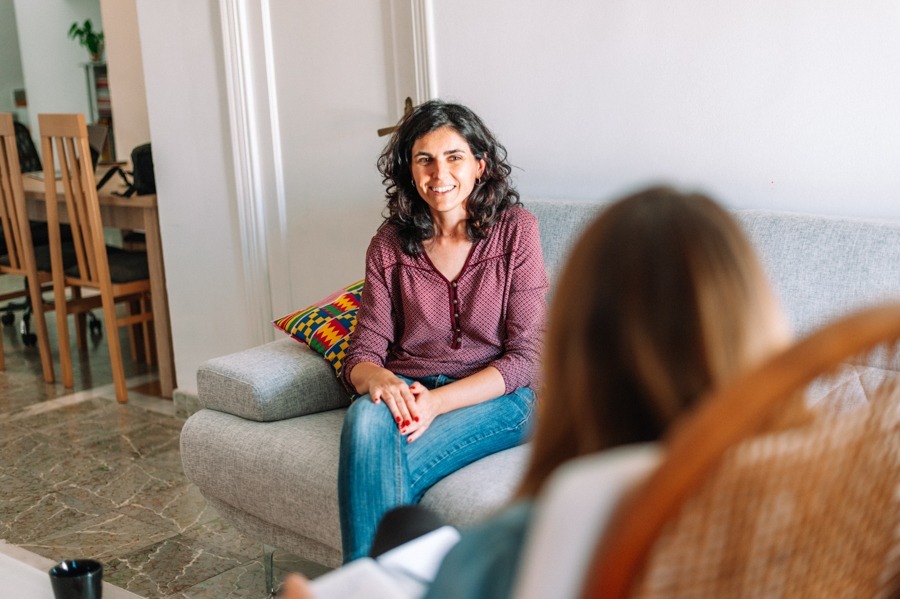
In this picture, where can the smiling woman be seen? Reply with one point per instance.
(445, 172)
(446, 346)
(491, 193)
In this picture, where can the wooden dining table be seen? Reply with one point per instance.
(139, 212)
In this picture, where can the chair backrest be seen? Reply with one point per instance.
(64, 139)
(16, 232)
(29, 160)
(757, 496)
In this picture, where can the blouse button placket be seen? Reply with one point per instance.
(457, 328)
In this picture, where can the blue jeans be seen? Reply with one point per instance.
(379, 470)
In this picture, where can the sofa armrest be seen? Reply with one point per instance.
(281, 379)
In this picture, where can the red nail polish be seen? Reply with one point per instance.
(416, 419)
(397, 419)
(406, 423)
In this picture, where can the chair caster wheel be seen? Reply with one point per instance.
(8, 318)
(29, 339)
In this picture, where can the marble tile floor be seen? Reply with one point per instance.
(83, 476)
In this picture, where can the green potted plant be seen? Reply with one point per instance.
(87, 37)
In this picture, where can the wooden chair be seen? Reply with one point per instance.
(117, 275)
(19, 258)
(758, 496)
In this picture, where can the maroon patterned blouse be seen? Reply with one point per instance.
(415, 322)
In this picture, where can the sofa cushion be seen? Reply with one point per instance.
(326, 326)
(278, 380)
(281, 472)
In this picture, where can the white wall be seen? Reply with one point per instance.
(181, 46)
(784, 105)
(54, 78)
(332, 74)
(11, 76)
(126, 75)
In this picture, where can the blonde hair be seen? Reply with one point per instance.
(661, 300)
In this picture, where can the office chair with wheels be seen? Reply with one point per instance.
(30, 162)
(18, 256)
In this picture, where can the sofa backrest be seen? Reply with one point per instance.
(560, 223)
(821, 267)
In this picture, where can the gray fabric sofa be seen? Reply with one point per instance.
(264, 447)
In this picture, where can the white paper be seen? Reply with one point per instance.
(360, 578)
(401, 573)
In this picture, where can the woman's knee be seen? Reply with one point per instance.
(365, 418)
(520, 405)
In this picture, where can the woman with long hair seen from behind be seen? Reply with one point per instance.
(672, 302)
(446, 346)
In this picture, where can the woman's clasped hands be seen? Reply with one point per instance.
(413, 406)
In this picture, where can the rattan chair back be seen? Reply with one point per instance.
(761, 496)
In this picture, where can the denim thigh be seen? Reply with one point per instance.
(458, 438)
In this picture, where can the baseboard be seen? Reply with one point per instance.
(185, 403)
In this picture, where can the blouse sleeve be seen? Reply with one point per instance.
(374, 331)
(526, 307)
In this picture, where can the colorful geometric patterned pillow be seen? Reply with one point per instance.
(326, 326)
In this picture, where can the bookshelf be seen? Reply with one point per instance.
(99, 103)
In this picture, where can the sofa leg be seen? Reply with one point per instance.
(269, 567)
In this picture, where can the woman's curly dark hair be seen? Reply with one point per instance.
(493, 193)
